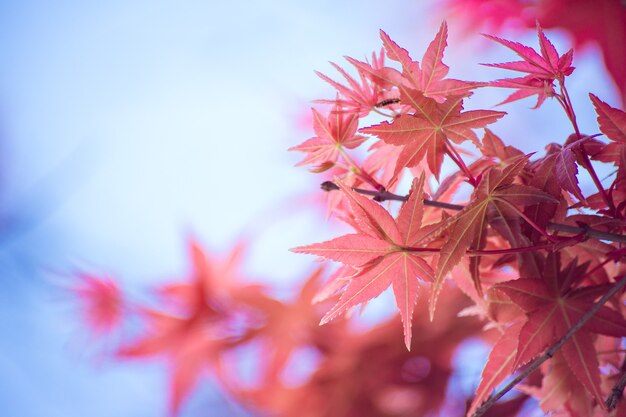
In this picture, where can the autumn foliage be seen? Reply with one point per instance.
(476, 239)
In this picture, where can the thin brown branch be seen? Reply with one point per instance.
(385, 195)
(587, 231)
(552, 349)
(617, 390)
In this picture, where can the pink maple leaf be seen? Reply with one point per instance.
(382, 253)
(333, 132)
(542, 69)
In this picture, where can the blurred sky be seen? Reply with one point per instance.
(127, 126)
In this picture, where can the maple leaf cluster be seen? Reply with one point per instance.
(504, 247)
(529, 248)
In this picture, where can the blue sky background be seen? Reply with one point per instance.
(125, 126)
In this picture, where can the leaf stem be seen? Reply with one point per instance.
(454, 155)
(549, 353)
(567, 105)
(566, 102)
(529, 221)
(360, 172)
(617, 390)
(508, 251)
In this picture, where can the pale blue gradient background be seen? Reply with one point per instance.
(128, 125)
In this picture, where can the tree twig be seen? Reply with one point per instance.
(617, 390)
(385, 195)
(588, 231)
(549, 353)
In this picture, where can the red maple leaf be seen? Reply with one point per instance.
(494, 202)
(360, 97)
(543, 69)
(612, 123)
(601, 22)
(334, 132)
(494, 147)
(429, 77)
(499, 366)
(562, 161)
(429, 134)
(384, 253)
(561, 391)
(553, 303)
